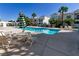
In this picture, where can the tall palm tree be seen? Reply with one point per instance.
(62, 10)
(33, 15)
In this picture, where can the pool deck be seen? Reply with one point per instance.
(65, 43)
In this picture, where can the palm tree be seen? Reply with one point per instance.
(62, 10)
(33, 15)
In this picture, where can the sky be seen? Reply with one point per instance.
(10, 11)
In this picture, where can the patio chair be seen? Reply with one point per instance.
(66, 27)
(70, 27)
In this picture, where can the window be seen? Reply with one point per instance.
(77, 17)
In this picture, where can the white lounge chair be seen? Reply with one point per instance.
(66, 27)
(70, 27)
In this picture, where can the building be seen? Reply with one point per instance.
(43, 20)
(76, 14)
(73, 15)
(55, 16)
(5, 24)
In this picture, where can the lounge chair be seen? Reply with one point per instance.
(70, 27)
(66, 27)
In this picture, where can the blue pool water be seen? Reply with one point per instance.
(42, 30)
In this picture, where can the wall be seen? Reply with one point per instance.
(46, 20)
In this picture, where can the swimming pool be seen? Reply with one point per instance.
(42, 30)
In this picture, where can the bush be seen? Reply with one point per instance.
(44, 25)
(58, 23)
(69, 21)
(55, 22)
(52, 22)
(34, 24)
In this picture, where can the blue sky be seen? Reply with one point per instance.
(10, 11)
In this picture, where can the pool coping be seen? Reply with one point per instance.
(60, 30)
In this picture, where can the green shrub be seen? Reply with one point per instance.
(55, 22)
(69, 21)
(58, 23)
(52, 21)
(44, 25)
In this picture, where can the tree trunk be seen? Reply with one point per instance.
(62, 18)
(33, 21)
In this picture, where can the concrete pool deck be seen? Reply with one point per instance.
(65, 43)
